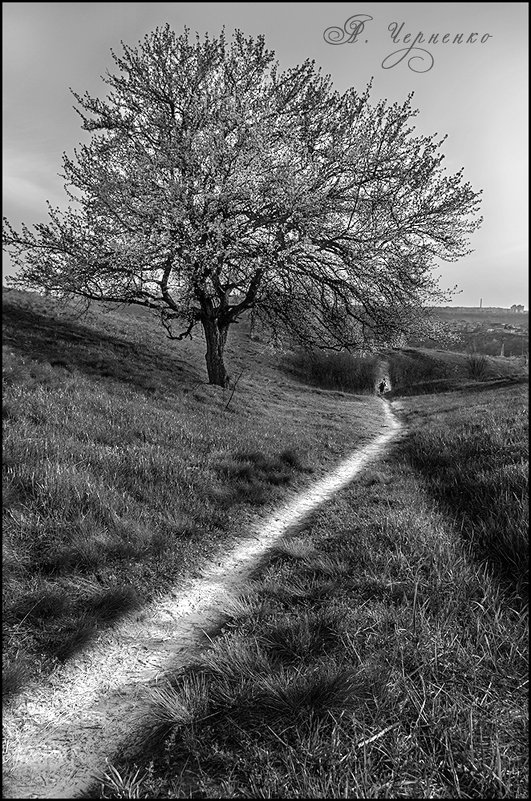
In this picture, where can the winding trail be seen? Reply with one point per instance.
(57, 735)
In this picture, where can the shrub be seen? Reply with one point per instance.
(476, 365)
(341, 371)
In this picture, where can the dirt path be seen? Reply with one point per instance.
(58, 735)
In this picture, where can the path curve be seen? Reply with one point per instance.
(57, 735)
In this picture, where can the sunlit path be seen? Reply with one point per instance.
(58, 735)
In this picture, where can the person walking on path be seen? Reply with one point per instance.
(382, 386)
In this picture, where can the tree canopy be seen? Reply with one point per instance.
(216, 184)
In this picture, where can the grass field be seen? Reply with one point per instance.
(123, 468)
(380, 651)
(473, 457)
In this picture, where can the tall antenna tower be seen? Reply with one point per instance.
(480, 303)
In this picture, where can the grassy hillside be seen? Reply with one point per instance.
(408, 371)
(414, 371)
(381, 652)
(123, 468)
(471, 453)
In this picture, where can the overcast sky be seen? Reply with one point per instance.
(475, 91)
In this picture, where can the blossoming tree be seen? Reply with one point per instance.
(215, 185)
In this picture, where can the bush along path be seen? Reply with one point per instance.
(58, 736)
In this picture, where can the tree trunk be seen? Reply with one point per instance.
(216, 337)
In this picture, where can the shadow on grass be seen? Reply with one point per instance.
(482, 486)
(206, 715)
(443, 385)
(64, 625)
(343, 371)
(248, 477)
(71, 345)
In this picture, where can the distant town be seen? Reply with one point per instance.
(494, 331)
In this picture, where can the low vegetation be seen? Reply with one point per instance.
(342, 371)
(415, 371)
(122, 469)
(408, 371)
(473, 457)
(380, 649)
(477, 365)
(376, 654)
